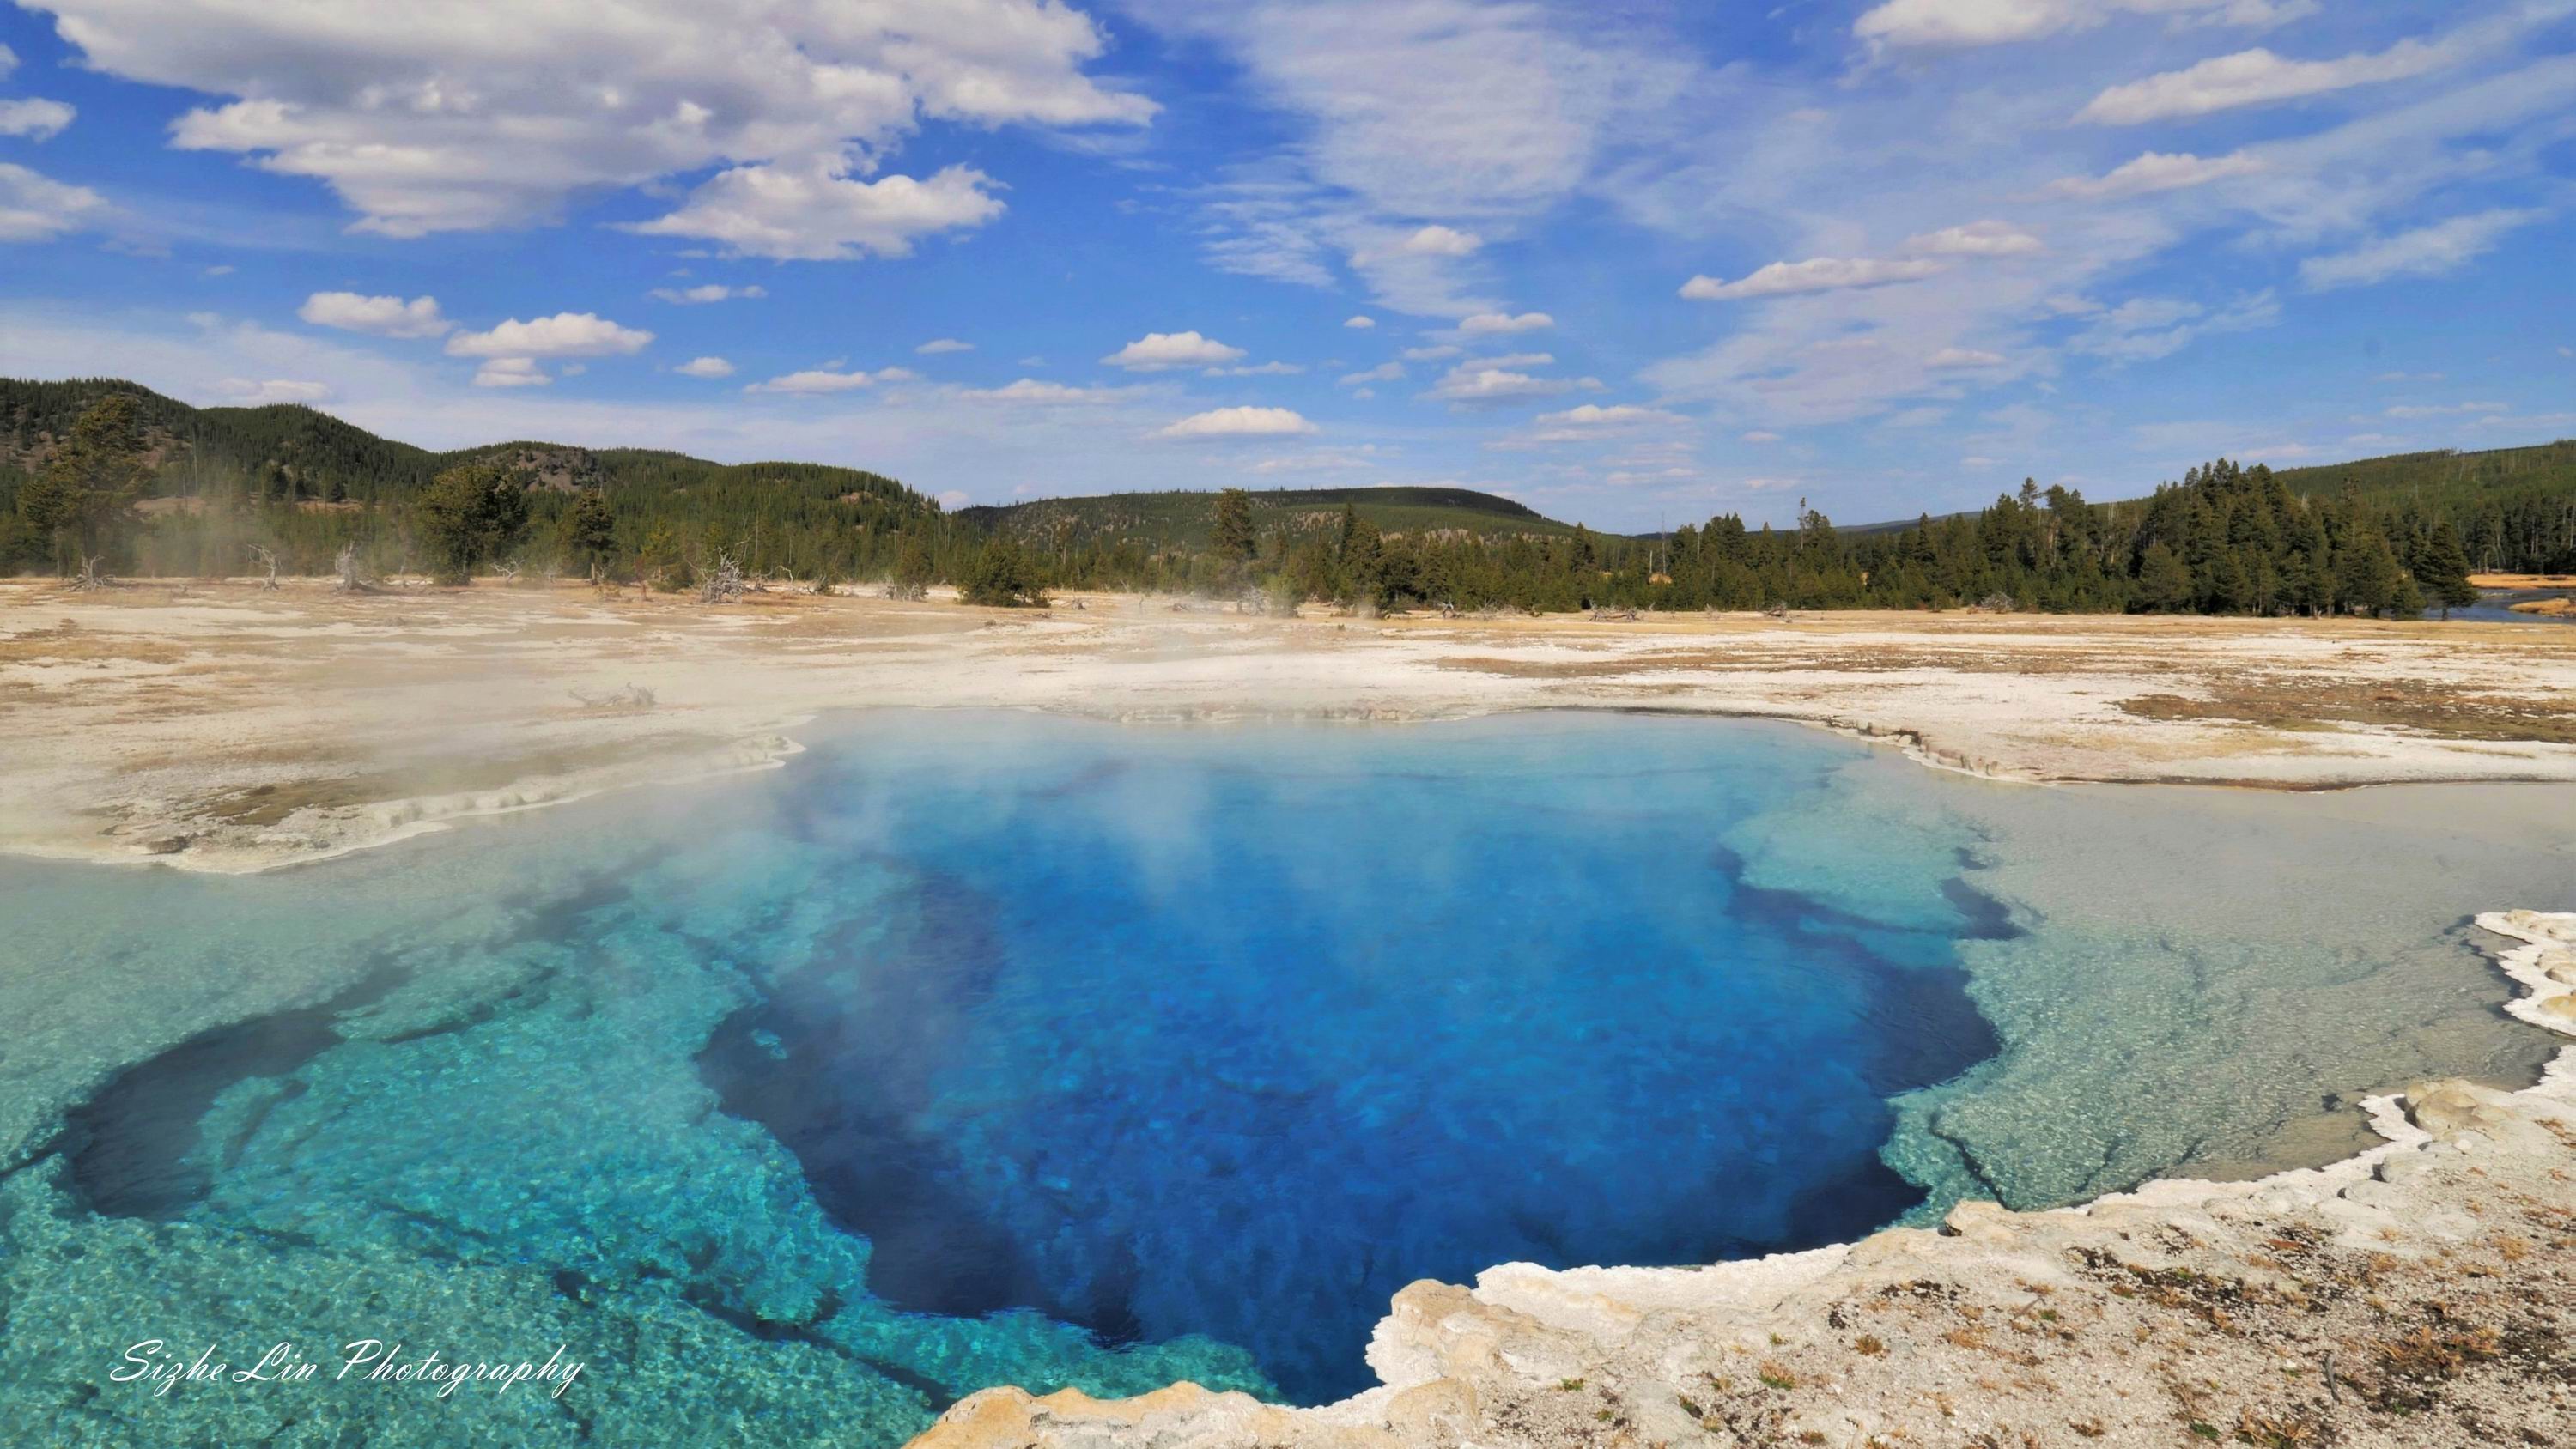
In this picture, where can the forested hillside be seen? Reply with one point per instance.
(1148, 522)
(2515, 507)
(304, 483)
(163, 488)
(2225, 539)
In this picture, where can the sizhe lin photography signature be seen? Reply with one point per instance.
(359, 1361)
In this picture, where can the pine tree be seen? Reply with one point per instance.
(1000, 577)
(2164, 582)
(913, 569)
(1361, 563)
(469, 514)
(85, 495)
(2442, 570)
(1231, 536)
(657, 562)
(589, 532)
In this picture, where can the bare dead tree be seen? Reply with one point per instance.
(351, 579)
(722, 584)
(266, 557)
(91, 576)
(628, 697)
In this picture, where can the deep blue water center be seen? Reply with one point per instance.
(1238, 1034)
(980, 1048)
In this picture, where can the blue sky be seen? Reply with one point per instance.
(1634, 263)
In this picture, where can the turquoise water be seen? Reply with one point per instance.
(983, 1048)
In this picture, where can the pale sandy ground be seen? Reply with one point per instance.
(224, 727)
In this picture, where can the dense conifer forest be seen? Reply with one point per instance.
(149, 485)
(304, 484)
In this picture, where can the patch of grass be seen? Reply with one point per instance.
(2266, 1432)
(2415, 1366)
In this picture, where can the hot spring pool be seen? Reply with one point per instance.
(984, 1048)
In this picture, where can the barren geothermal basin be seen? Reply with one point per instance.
(979, 1048)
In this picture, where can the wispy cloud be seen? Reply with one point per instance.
(2428, 251)
(1969, 23)
(2156, 171)
(2251, 78)
(710, 292)
(1817, 274)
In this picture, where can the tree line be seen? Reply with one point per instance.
(2224, 540)
(118, 487)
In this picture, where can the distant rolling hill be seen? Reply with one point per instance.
(2446, 477)
(292, 453)
(2444, 480)
(289, 452)
(1181, 519)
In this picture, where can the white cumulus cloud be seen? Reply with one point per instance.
(450, 117)
(1501, 379)
(565, 334)
(35, 119)
(1243, 422)
(939, 345)
(1443, 241)
(1157, 351)
(1485, 324)
(383, 316)
(706, 367)
(812, 210)
(1950, 358)
(1361, 323)
(511, 372)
